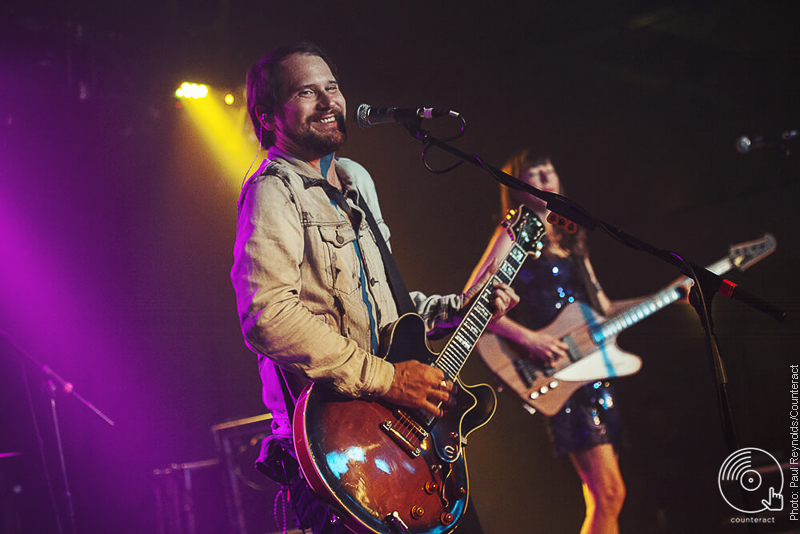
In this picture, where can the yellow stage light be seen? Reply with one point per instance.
(192, 90)
(225, 129)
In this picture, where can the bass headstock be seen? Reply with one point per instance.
(744, 255)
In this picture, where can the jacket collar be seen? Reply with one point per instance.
(309, 174)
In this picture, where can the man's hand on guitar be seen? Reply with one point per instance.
(503, 296)
(544, 348)
(421, 386)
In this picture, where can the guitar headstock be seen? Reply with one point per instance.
(525, 229)
(744, 255)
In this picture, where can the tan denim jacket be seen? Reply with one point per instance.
(298, 280)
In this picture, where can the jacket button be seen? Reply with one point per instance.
(339, 239)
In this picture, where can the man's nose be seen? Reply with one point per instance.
(325, 100)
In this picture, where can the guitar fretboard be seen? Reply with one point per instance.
(648, 307)
(463, 340)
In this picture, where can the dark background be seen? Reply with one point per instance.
(117, 225)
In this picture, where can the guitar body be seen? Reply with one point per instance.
(588, 359)
(390, 469)
(547, 389)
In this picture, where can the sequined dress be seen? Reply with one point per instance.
(589, 417)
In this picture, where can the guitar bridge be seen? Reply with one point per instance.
(526, 371)
(406, 433)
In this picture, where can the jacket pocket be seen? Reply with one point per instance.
(343, 266)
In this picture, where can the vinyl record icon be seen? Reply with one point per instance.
(742, 471)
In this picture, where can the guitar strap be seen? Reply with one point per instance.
(288, 398)
(399, 290)
(398, 287)
(593, 287)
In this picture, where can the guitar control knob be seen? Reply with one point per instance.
(553, 384)
(544, 389)
(534, 395)
(446, 518)
(417, 512)
(431, 487)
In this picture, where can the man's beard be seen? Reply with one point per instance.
(321, 145)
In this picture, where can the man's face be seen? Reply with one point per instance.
(309, 123)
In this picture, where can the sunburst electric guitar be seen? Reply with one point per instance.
(392, 470)
(593, 353)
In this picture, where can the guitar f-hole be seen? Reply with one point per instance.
(443, 486)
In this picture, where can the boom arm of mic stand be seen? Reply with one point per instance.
(64, 386)
(555, 203)
(568, 209)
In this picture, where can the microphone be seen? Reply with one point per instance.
(745, 144)
(367, 116)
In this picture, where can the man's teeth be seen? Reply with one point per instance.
(328, 120)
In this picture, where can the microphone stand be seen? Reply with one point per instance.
(567, 213)
(54, 382)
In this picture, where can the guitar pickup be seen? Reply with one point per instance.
(573, 351)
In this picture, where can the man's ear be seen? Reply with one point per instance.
(265, 118)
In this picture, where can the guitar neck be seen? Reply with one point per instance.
(466, 335)
(665, 297)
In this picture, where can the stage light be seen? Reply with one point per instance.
(192, 90)
(224, 126)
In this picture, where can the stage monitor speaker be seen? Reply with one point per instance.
(190, 498)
